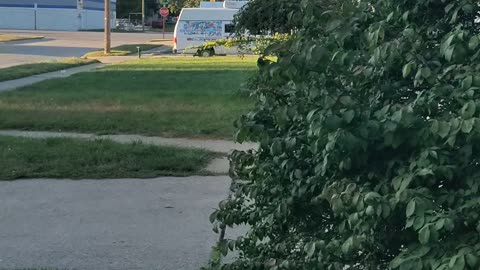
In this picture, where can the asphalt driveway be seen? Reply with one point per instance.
(108, 224)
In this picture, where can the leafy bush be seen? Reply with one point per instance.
(246, 44)
(369, 131)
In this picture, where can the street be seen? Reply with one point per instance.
(58, 44)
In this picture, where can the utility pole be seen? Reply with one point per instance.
(143, 15)
(107, 48)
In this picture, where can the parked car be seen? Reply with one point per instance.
(157, 24)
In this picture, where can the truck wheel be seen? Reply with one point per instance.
(212, 52)
(206, 53)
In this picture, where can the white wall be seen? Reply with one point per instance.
(51, 19)
(17, 18)
(93, 19)
(57, 19)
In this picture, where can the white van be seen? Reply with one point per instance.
(196, 26)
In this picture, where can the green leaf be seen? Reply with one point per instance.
(395, 263)
(435, 127)
(222, 245)
(410, 208)
(459, 263)
(397, 116)
(276, 148)
(439, 224)
(471, 260)
(231, 245)
(425, 171)
(451, 140)
(443, 129)
(390, 16)
(419, 222)
(213, 216)
(426, 72)
(467, 125)
(449, 7)
(405, 183)
(346, 100)
(455, 15)
(473, 43)
(449, 225)
(333, 122)
(332, 25)
(446, 44)
(407, 69)
(467, 82)
(310, 249)
(347, 246)
(424, 235)
(370, 211)
(468, 110)
(453, 260)
(348, 116)
(449, 53)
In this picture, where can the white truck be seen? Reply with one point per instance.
(197, 26)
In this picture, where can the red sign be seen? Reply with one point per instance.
(164, 12)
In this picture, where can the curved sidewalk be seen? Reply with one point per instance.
(18, 83)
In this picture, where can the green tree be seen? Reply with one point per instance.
(176, 6)
(191, 3)
(125, 7)
(269, 16)
(369, 131)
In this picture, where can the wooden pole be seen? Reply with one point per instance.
(143, 15)
(107, 48)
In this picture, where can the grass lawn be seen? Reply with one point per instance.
(79, 159)
(26, 70)
(123, 50)
(174, 97)
(9, 37)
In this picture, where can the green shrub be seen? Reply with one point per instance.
(369, 132)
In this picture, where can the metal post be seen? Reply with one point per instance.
(164, 21)
(143, 15)
(35, 7)
(107, 48)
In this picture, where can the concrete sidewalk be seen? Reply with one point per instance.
(218, 146)
(109, 224)
(18, 83)
(218, 166)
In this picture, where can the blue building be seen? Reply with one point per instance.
(69, 15)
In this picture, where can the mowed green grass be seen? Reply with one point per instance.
(25, 70)
(123, 50)
(174, 97)
(9, 37)
(79, 159)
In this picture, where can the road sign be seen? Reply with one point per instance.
(164, 12)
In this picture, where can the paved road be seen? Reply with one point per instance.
(108, 224)
(57, 44)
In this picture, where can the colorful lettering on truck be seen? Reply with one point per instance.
(196, 26)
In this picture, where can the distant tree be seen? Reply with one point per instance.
(124, 7)
(176, 6)
(191, 3)
(273, 16)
